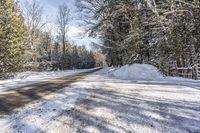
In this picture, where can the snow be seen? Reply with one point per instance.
(145, 72)
(26, 78)
(138, 72)
(42, 114)
(102, 103)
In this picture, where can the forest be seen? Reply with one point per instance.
(27, 43)
(164, 33)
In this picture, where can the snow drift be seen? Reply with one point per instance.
(138, 72)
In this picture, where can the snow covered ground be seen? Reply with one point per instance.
(100, 103)
(143, 72)
(138, 72)
(26, 78)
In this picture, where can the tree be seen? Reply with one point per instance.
(162, 33)
(46, 45)
(63, 20)
(12, 37)
(33, 15)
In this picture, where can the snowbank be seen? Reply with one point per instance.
(138, 72)
(144, 72)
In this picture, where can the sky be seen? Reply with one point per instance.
(76, 32)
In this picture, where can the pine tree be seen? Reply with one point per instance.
(12, 37)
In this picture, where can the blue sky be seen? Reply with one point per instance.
(51, 6)
(76, 32)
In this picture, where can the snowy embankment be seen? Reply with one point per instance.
(26, 78)
(144, 72)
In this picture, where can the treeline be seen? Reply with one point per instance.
(165, 33)
(28, 43)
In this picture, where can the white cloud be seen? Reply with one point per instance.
(75, 31)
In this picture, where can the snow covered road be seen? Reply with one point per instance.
(28, 78)
(14, 98)
(101, 104)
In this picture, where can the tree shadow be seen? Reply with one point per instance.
(173, 115)
(129, 109)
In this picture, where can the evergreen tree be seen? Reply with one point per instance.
(162, 33)
(12, 37)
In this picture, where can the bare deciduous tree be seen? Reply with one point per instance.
(63, 20)
(33, 15)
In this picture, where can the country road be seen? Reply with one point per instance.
(98, 103)
(18, 97)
